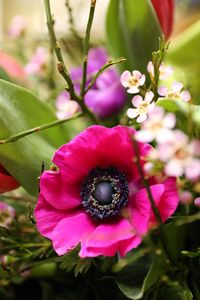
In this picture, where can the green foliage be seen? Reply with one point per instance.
(132, 32)
(135, 279)
(184, 53)
(21, 110)
(72, 261)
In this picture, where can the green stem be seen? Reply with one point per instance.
(87, 44)
(102, 69)
(61, 65)
(151, 199)
(71, 21)
(22, 134)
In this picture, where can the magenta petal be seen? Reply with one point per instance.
(93, 252)
(47, 217)
(71, 231)
(169, 200)
(97, 146)
(58, 192)
(108, 234)
(129, 244)
(141, 208)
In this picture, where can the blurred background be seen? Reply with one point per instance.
(187, 11)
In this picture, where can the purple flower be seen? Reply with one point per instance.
(107, 96)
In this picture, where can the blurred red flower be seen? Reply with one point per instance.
(165, 12)
(11, 66)
(7, 182)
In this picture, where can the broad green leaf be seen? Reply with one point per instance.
(21, 110)
(135, 279)
(132, 32)
(4, 75)
(184, 53)
(185, 48)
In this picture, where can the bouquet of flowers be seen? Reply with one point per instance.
(100, 158)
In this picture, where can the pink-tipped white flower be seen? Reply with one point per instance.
(185, 197)
(158, 126)
(176, 92)
(181, 156)
(197, 202)
(164, 71)
(66, 107)
(17, 26)
(7, 214)
(143, 106)
(132, 81)
(37, 62)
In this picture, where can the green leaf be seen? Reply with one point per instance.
(184, 53)
(4, 75)
(185, 49)
(132, 32)
(140, 276)
(175, 291)
(20, 110)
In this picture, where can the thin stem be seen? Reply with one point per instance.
(86, 45)
(61, 65)
(71, 21)
(151, 199)
(22, 134)
(101, 70)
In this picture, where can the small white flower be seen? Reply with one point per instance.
(175, 92)
(143, 106)
(132, 81)
(164, 71)
(181, 156)
(158, 126)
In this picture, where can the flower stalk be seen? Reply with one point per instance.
(153, 205)
(87, 45)
(16, 137)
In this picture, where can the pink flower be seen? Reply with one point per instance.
(37, 62)
(17, 26)
(164, 71)
(143, 106)
(158, 126)
(175, 92)
(132, 81)
(96, 199)
(185, 197)
(7, 214)
(66, 107)
(197, 202)
(181, 156)
(7, 182)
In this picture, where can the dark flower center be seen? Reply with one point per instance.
(104, 192)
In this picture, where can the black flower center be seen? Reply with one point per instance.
(104, 192)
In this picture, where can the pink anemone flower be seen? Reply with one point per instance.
(96, 198)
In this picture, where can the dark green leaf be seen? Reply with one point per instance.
(132, 32)
(140, 276)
